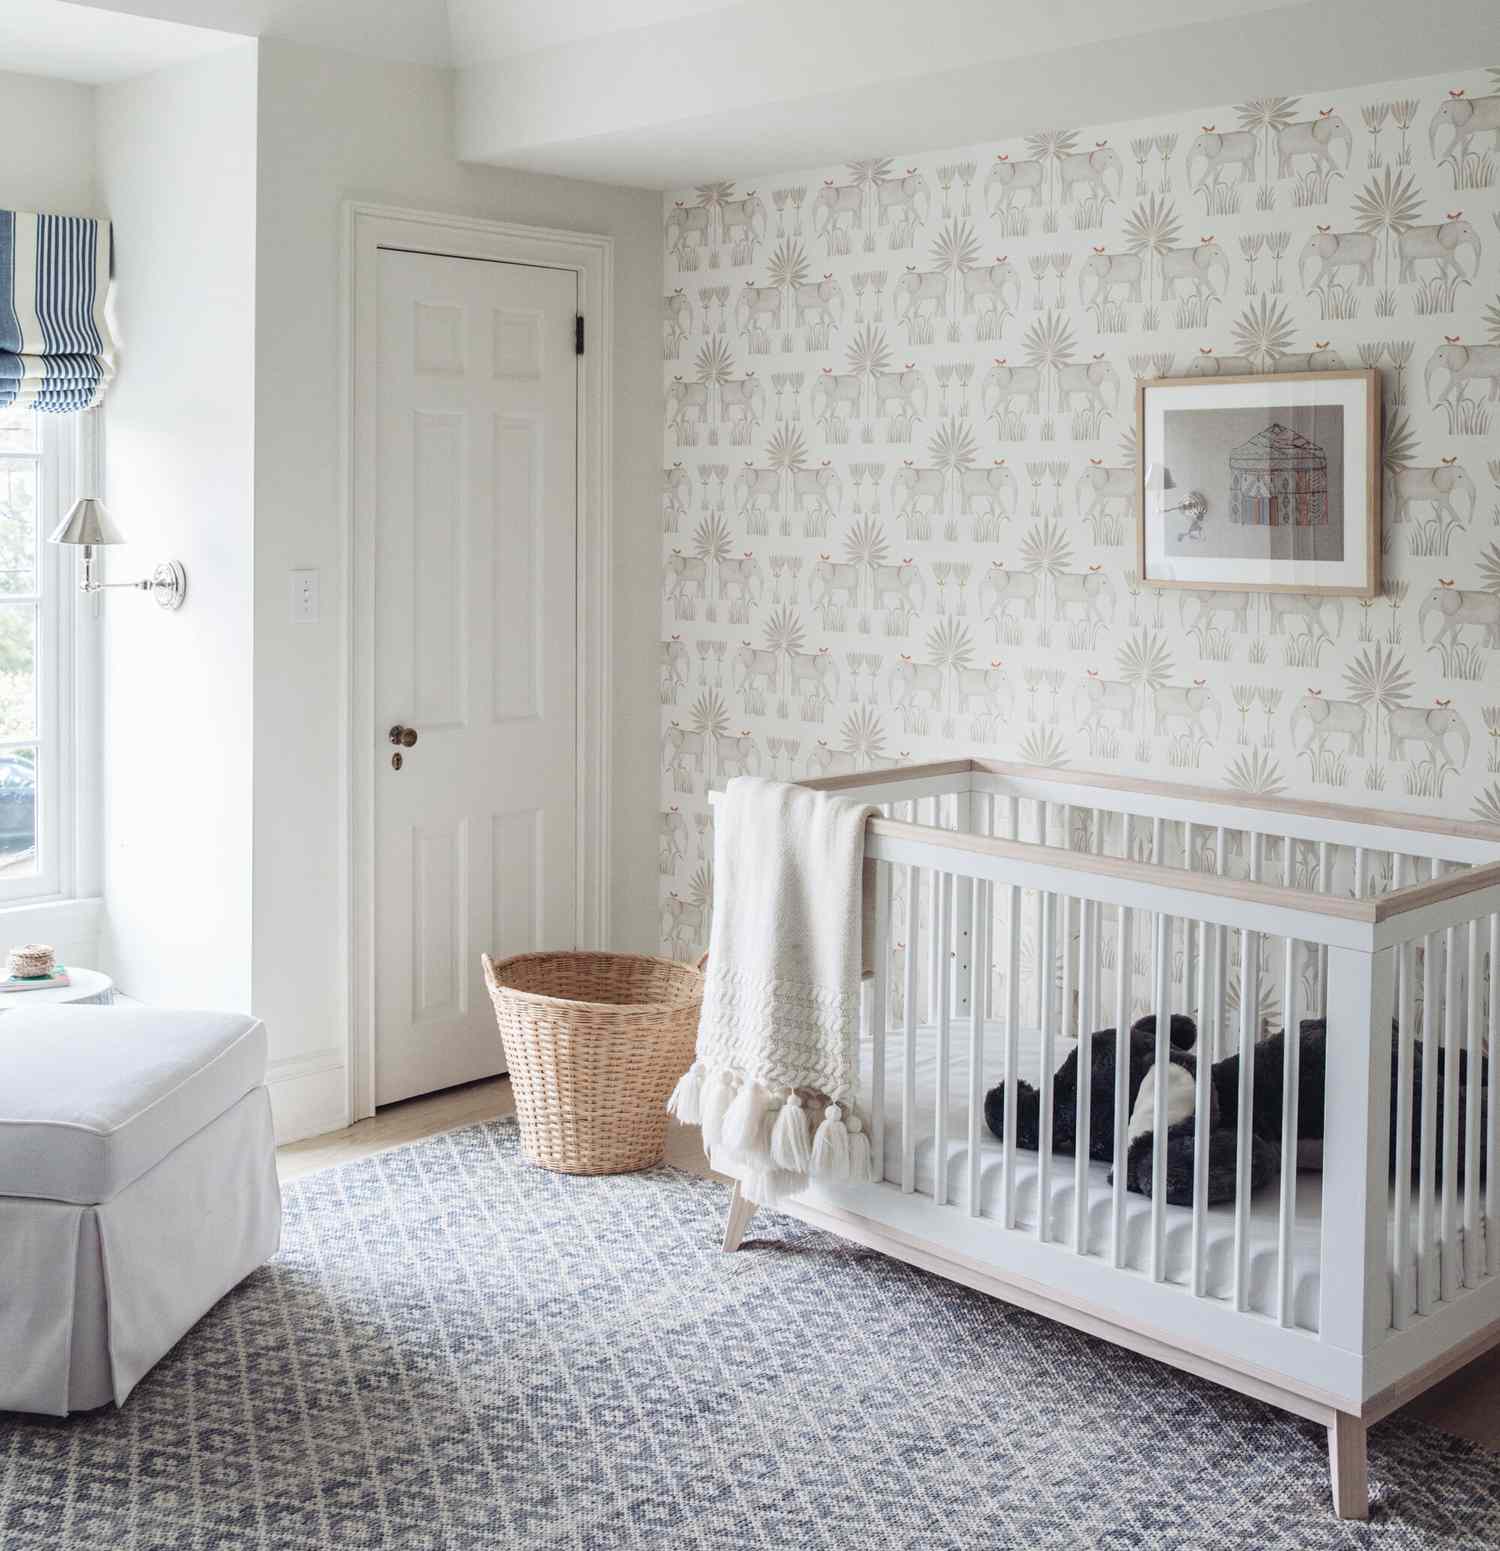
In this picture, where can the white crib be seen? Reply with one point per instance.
(1337, 1296)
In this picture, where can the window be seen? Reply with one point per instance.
(38, 474)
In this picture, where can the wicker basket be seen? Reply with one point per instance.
(595, 1043)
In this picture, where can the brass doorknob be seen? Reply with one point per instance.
(403, 737)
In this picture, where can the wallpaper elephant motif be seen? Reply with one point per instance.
(898, 467)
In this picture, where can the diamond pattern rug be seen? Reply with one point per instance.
(456, 1350)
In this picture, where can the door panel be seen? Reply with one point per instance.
(475, 648)
(519, 522)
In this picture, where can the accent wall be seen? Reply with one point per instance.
(897, 509)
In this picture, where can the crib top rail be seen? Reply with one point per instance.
(1453, 840)
(1370, 923)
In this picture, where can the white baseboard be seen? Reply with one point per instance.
(309, 1095)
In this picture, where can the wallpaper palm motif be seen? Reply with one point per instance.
(897, 491)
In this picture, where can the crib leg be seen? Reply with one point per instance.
(1348, 1465)
(741, 1210)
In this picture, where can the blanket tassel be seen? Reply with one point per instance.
(687, 1097)
(791, 1141)
(747, 1122)
(718, 1095)
(830, 1154)
(861, 1158)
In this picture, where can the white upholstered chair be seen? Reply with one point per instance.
(137, 1187)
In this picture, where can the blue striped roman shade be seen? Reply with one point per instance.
(56, 353)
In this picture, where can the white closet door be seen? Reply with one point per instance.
(475, 631)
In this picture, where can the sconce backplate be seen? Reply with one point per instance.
(169, 585)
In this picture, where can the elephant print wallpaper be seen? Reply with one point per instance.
(897, 490)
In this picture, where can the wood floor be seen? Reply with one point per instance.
(1466, 1405)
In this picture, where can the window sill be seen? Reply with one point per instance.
(72, 926)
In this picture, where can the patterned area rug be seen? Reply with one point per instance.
(455, 1350)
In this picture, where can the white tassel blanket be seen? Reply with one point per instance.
(778, 1036)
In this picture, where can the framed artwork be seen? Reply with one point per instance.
(1260, 484)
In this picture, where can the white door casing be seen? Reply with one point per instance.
(479, 619)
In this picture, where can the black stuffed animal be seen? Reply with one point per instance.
(1223, 1119)
(1139, 1103)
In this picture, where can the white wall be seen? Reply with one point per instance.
(46, 145)
(51, 172)
(334, 127)
(176, 170)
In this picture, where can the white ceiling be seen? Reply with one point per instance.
(662, 93)
(415, 30)
(50, 37)
(434, 32)
(483, 30)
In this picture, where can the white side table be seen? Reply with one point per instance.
(88, 986)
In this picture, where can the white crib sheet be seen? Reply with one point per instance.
(1218, 1236)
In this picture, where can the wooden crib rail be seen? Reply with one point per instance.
(1461, 856)
(1462, 840)
(1459, 840)
(1321, 918)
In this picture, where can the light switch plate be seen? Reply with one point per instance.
(304, 597)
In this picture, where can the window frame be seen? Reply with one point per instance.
(67, 458)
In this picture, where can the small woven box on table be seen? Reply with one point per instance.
(595, 1043)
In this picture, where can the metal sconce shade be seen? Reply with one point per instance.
(88, 523)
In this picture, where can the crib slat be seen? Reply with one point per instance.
(1012, 1043)
(1492, 1142)
(1219, 1047)
(1065, 913)
(1325, 885)
(1426, 1170)
(1249, 1007)
(1452, 1044)
(1472, 1264)
(942, 887)
(1190, 938)
(981, 967)
(984, 817)
(879, 1014)
(909, 1053)
(1122, 1081)
(934, 946)
(1161, 1001)
(1290, 1064)
(1207, 1031)
(1044, 1134)
(1361, 871)
(1095, 910)
(1041, 910)
(1085, 1049)
(1406, 956)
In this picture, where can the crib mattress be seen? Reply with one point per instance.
(1218, 1230)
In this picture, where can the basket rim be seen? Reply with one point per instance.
(494, 967)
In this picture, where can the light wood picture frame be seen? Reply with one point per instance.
(1260, 483)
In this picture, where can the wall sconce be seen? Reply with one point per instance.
(90, 525)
